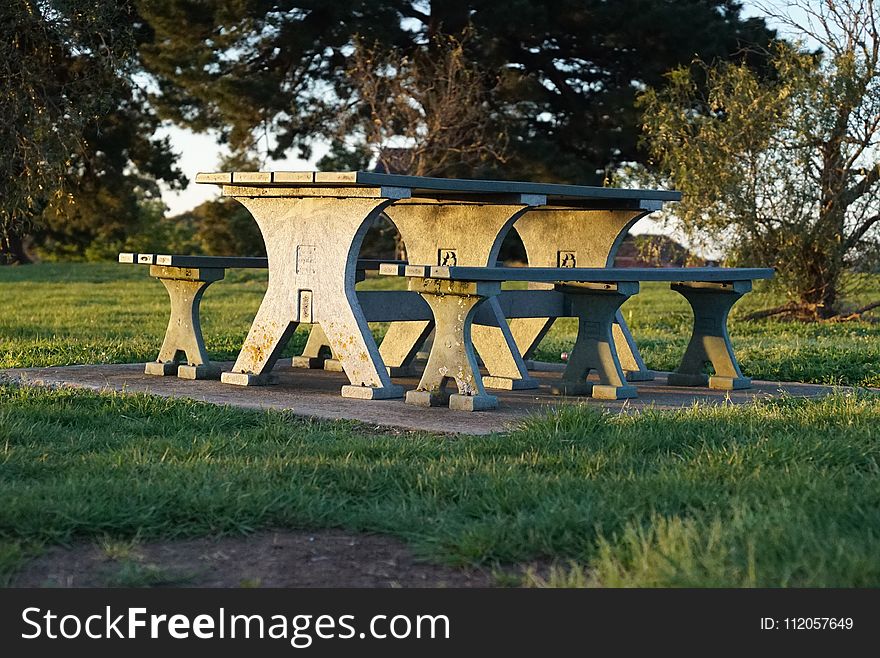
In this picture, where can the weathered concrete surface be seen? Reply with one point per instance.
(315, 393)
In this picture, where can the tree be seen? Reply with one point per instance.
(782, 170)
(111, 186)
(426, 114)
(270, 74)
(78, 155)
(224, 227)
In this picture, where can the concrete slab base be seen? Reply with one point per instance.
(247, 379)
(428, 398)
(729, 383)
(313, 362)
(639, 375)
(315, 393)
(160, 368)
(371, 393)
(187, 371)
(334, 365)
(509, 384)
(598, 391)
(472, 402)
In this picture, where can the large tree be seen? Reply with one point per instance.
(269, 74)
(783, 169)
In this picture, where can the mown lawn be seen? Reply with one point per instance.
(783, 493)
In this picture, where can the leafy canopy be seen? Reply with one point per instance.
(270, 74)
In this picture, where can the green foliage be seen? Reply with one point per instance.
(59, 65)
(113, 195)
(223, 228)
(773, 494)
(780, 170)
(566, 72)
(79, 153)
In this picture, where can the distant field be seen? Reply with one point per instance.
(61, 314)
(779, 493)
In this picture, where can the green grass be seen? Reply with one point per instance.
(781, 493)
(63, 314)
(778, 494)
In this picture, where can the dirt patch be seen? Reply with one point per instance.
(265, 559)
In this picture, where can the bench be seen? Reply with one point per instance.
(593, 296)
(186, 278)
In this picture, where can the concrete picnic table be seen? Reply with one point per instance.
(313, 224)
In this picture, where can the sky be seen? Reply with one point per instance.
(200, 152)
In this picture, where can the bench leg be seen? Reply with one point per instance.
(183, 337)
(401, 344)
(316, 352)
(710, 342)
(596, 309)
(498, 350)
(630, 358)
(454, 304)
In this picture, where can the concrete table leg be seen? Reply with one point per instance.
(463, 234)
(312, 244)
(573, 237)
(595, 306)
(317, 355)
(401, 344)
(183, 337)
(710, 342)
(316, 352)
(500, 354)
(452, 355)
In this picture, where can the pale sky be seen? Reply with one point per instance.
(200, 152)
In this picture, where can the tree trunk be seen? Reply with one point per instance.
(12, 251)
(819, 294)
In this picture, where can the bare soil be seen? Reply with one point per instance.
(266, 559)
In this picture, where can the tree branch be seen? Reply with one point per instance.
(857, 314)
(411, 12)
(861, 188)
(860, 232)
(769, 312)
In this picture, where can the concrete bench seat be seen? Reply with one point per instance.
(186, 277)
(593, 296)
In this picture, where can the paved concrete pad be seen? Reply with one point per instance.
(315, 393)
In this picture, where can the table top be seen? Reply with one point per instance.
(422, 186)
